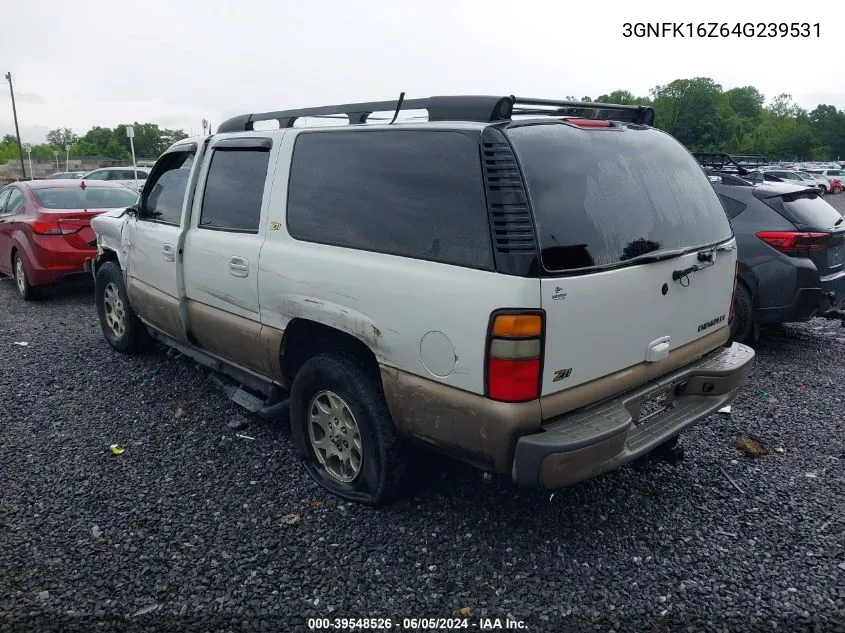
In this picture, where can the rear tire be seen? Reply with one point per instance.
(837, 190)
(822, 191)
(336, 397)
(122, 328)
(26, 291)
(744, 328)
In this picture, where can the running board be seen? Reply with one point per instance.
(269, 408)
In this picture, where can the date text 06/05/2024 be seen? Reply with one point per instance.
(721, 29)
(414, 624)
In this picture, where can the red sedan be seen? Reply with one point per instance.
(45, 228)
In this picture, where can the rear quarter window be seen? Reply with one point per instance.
(409, 193)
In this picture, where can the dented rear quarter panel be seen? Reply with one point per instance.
(387, 302)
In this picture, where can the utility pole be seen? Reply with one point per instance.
(17, 130)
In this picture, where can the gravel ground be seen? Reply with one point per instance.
(191, 527)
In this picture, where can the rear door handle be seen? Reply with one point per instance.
(238, 266)
(168, 252)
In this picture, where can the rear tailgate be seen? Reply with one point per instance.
(622, 215)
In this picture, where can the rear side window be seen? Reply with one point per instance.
(409, 193)
(732, 207)
(234, 190)
(601, 197)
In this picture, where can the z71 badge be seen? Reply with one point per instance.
(560, 374)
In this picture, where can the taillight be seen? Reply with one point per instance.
(794, 243)
(515, 355)
(40, 227)
(733, 296)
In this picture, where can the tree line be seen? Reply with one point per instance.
(706, 118)
(697, 111)
(150, 141)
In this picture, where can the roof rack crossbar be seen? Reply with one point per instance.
(721, 160)
(484, 109)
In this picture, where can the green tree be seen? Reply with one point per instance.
(687, 109)
(61, 137)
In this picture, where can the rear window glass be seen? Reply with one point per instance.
(601, 197)
(88, 198)
(409, 193)
(811, 210)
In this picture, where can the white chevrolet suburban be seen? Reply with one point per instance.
(540, 288)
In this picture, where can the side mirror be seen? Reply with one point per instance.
(134, 211)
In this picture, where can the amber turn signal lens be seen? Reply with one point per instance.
(518, 325)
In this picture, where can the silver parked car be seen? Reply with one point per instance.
(125, 176)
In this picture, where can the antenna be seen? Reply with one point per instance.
(398, 107)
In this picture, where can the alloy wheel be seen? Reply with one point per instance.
(335, 436)
(114, 310)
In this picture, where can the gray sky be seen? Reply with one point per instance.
(174, 62)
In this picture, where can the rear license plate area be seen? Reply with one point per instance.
(655, 406)
(835, 252)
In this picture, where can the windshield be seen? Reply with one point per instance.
(88, 198)
(602, 197)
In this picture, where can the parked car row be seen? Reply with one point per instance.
(546, 297)
(132, 177)
(756, 170)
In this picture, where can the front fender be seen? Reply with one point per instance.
(111, 229)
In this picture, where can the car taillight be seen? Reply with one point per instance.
(733, 296)
(515, 355)
(40, 227)
(794, 243)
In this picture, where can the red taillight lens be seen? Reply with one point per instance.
(513, 380)
(40, 227)
(45, 228)
(733, 296)
(796, 244)
(514, 356)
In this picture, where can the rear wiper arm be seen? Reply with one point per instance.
(657, 256)
(839, 221)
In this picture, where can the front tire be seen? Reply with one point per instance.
(122, 328)
(26, 291)
(743, 328)
(837, 190)
(822, 191)
(342, 429)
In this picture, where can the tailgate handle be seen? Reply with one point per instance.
(657, 350)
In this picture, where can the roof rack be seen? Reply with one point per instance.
(719, 161)
(484, 109)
